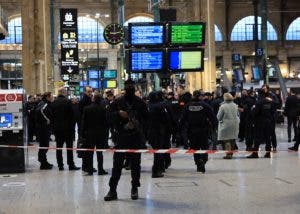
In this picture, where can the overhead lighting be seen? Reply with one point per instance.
(87, 15)
(106, 15)
(97, 15)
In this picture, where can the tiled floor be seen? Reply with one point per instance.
(229, 186)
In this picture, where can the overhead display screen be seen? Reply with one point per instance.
(190, 34)
(146, 34)
(146, 61)
(256, 73)
(186, 60)
(93, 74)
(110, 84)
(94, 84)
(110, 74)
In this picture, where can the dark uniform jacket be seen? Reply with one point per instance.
(94, 122)
(291, 106)
(63, 115)
(130, 132)
(44, 115)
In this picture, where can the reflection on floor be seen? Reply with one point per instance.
(229, 186)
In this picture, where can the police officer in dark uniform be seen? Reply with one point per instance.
(197, 119)
(44, 119)
(263, 113)
(249, 103)
(63, 119)
(94, 126)
(159, 126)
(129, 115)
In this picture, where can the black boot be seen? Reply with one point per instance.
(111, 195)
(267, 155)
(201, 167)
(157, 175)
(102, 172)
(74, 168)
(134, 193)
(253, 155)
(46, 166)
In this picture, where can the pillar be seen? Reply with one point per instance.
(206, 80)
(36, 49)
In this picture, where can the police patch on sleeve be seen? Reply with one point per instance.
(195, 108)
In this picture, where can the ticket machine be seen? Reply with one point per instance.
(12, 131)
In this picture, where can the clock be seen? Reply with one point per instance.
(113, 33)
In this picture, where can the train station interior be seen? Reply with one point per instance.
(244, 45)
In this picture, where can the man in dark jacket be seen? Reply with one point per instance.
(291, 111)
(44, 119)
(29, 111)
(63, 119)
(159, 131)
(129, 117)
(197, 118)
(94, 126)
(263, 113)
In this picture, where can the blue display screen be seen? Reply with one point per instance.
(152, 60)
(148, 35)
(110, 74)
(83, 83)
(94, 84)
(5, 120)
(256, 73)
(238, 73)
(93, 74)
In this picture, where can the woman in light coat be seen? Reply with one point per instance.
(228, 129)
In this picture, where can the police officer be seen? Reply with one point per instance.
(159, 126)
(263, 113)
(291, 111)
(129, 116)
(44, 119)
(250, 101)
(195, 121)
(94, 126)
(63, 119)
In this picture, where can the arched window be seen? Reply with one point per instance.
(244, 30)
(87, 30)
(14, 32)
(293, 32)
(138, 19)
(218, 34)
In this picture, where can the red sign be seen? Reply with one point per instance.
(11, 98)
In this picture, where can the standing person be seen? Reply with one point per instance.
(129, 115)
(44, 119)
(29, 111)
(241, 106)
(291, 111)
(228, 129)
(63, 119)
(85, 101)
(76, 112)
(159, 127)
(263, 113)
(197, 119)
(249, 131)
(94, 126)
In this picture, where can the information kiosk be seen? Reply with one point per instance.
(12, 131)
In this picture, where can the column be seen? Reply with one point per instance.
(206, 80)
(36, 49)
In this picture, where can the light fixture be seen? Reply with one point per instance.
(106, 15)
(97, 15)
(298, 76)
(87, 15)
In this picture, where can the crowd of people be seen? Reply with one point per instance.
(198, 121)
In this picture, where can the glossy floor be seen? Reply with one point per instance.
(229, 186)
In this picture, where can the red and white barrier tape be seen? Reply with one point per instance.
(149, 151)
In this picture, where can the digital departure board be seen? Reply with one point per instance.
(186, 59)
(110, 84)
(93, 74)
(187, 34)
(146, 34)
(146, 60)
(110, 74)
